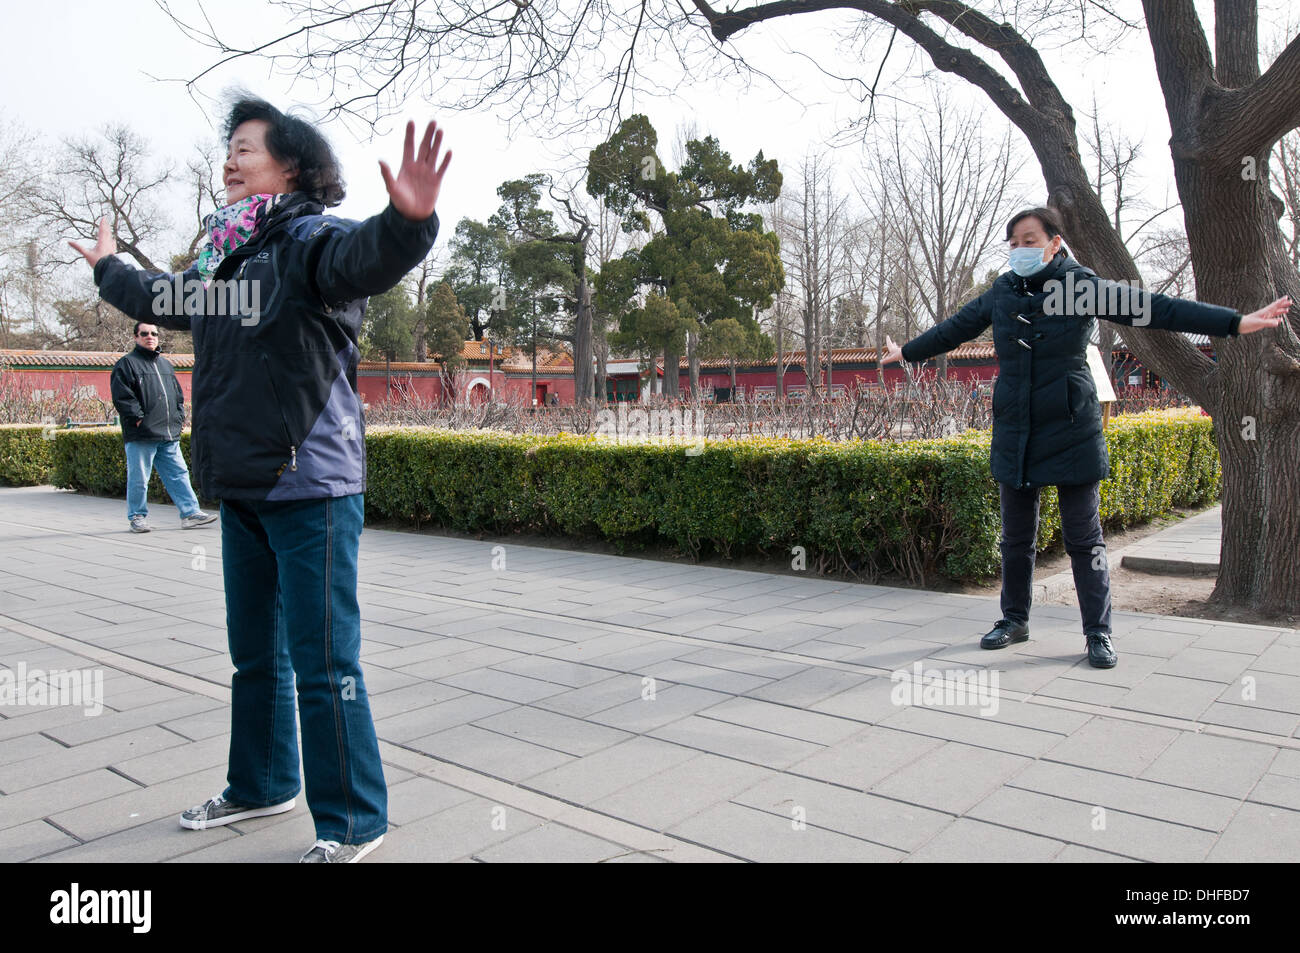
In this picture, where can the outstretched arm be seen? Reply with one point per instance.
(142, 295)
(967, 324)
(371, 258)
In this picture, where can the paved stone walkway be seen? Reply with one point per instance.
(577, 707)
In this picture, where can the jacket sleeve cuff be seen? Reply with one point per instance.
(423, 232)
(1234, 326)
(910, 358)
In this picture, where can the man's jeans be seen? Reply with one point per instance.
(290, 569)
(141, 458)
(1081, 527)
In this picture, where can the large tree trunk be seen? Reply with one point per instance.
(693, 364)
(1223, 133)
(672, 373)
(583, 356)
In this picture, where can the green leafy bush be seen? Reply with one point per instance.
(25, 456)
(919, 508)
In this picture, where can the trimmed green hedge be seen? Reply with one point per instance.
(25, 456)
(917, 508)
(94, 461)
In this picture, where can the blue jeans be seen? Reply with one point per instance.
(141, 458)
(290, 570)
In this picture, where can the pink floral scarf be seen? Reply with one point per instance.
(230, 227)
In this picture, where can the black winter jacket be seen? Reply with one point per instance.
(1046, 416)
(277, 414)
(146, 393)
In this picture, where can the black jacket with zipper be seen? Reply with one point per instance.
(1046, 417)
(147, 395)
(277, 414)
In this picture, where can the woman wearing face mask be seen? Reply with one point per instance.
(1046, 416)
(275, 303)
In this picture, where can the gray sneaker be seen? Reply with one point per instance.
(332, 852)
(217, 811)
(140, 524)
(197, 519)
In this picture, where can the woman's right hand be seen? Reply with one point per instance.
(892, 352)
(105, 244)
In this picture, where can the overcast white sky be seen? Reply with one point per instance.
(69, 66)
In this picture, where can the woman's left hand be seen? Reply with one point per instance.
(1269, 316)
(414, 191)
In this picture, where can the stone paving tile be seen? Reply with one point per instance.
(489, 752)
(1109, 744)
(429, 719)
(1280, 723)
(459, 832)
(668, 705)
(79, 759)
(585, 701)
(681, 790)
(187, 757)
(139, 805)
(112, 723)
(866, 758)
(877, 819)
(1080, 823)
(760, 836)
(1132, 795)
(968, 841)
(981, 732)
(552, 843)
(1216, 765)
(158, 840)
(416, 798)
(66, 793)
(952, 777)
(463, 665)
(736, 741)
(1074, 854)
(804, 689)
(1278, 791)
(549, 729)
(601, 774)
(1260, 833)
(25, 841)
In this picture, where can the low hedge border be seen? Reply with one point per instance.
(25, 454)
(916, 508)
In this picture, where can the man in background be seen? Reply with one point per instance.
(151, 406)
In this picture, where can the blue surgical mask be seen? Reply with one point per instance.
(1026, 261)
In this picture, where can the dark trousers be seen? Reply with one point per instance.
(1081, 527)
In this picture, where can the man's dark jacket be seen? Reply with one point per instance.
(1046, 416)
(277, 414)
(146, 392)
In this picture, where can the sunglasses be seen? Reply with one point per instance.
(147, 334)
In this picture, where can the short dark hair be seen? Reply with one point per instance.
(136, 332)
(296, 141)
(1049, 218)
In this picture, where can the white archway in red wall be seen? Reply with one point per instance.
(474, 394)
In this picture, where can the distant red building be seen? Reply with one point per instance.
(507, 374)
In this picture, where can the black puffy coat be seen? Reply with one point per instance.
(147, 395)
(1046, 416)
(277, 414)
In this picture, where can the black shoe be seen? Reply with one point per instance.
(1100, 652)
(1004, 633)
